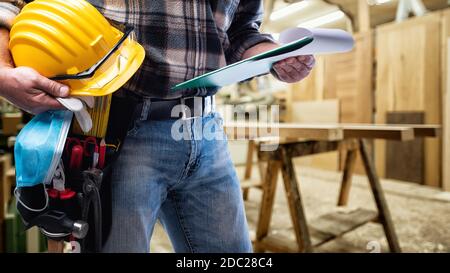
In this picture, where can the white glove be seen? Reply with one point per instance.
(79, 109)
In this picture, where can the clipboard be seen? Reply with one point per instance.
(295, 42)
(246, 69)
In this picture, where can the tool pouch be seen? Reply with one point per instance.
(79, 209)
(121, 117)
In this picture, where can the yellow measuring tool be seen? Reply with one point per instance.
(100, 117)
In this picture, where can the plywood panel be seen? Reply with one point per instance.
(446, 124)
(446, 99)
(310, 88)
(326, 111)
(408, 69)
(405, 160)
(348, 77)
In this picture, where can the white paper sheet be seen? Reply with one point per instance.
(326, 41)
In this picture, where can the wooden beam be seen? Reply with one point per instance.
(267, 202)
(248, 167)
(378, 194)
(305, 148)
(295, 202)
(347, 176)
(363, 16)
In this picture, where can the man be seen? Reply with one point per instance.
(190, 185)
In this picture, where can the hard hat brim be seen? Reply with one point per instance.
(90, 86)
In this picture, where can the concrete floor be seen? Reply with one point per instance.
(421, 214)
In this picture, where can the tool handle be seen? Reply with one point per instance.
(76, 157)
(102, 155)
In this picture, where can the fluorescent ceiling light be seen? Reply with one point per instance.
(323, 20)
(378, 2)
(288, 10)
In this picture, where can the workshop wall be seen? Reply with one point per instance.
(395, 69)
(408, 79)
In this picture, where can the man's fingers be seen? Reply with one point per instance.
(282, 73)
(294, 69)
(307, 60)
(291, 72)
(297, 65)
(48, 102)
(51, 103)
(52, 87)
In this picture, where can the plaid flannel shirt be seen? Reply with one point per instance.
(182, 38)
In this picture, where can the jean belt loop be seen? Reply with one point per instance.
(145, 109)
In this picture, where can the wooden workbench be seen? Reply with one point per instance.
(296, 140)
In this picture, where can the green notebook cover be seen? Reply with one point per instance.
(255, 66)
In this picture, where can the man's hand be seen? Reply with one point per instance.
(290, 70)
(30, 91)
(293, 69)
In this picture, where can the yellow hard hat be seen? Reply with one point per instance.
(70, 41)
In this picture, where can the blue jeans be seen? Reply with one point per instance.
(190, 185)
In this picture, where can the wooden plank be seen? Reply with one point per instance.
(397, 167)
(408, 79)
(323, 229)
(420, 130)
(427, 130)
(335, 224)
(400, 133)
(283, 130)
(319, 131)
